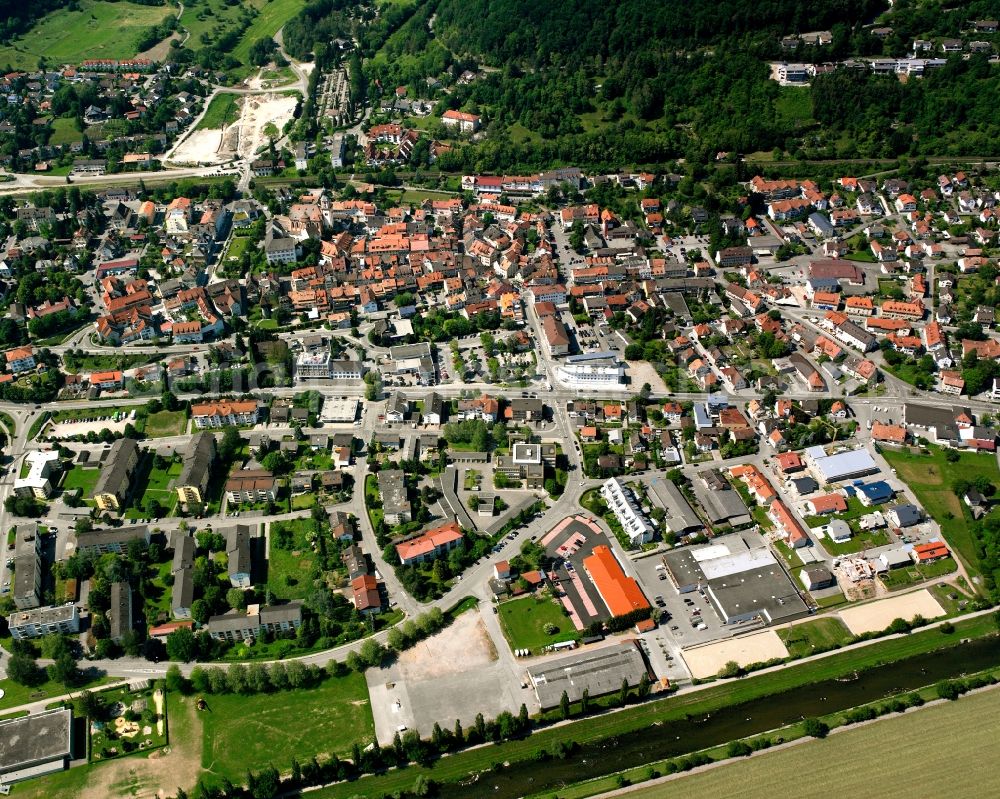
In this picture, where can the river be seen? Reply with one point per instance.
(684, 736)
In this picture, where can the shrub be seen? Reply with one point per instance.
(739, 749)
(815, 728)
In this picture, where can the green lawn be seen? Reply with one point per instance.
(900, 578)
(15, 694)
(165, 423)
(289, 570)
(223, 110)
(930, 478)
(242, 732)
(97, 30)
(237, 246)
(84, 479)
(64, 131)
(863, 540)
(822, 633)
(523, 622)
(151, 482)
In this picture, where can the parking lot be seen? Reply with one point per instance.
(576, 541)
(687, 613)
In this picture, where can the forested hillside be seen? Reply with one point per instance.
(536, 34)
(603, 84)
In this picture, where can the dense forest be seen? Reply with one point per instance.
(558, 32)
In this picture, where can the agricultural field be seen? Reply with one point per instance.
(524, 622)
(962, 740)
(930, 478)
(98, 29)
(242, 732)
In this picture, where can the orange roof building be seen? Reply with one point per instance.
(789, 462)
(430, 544)
(620, 593)
(890, 433)
(935, 550)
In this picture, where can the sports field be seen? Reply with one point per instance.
(874, 616)
(98, 30)
(937, 751)
(708, 660)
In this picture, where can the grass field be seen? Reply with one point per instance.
(242, 732)
(931, 476)
(953, 741)
(84, 479)
(64, 131)
(288, 571)
(223, 110)
(273, 15)
(523, 622)
(802, 639)
(794, 104)
(98, 30)
(165, 423)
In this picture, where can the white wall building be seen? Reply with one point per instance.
(622, 502)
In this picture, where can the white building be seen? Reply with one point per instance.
(622, 502)
(595, 369)
(35, 623)
(281, 251)
(36, 482)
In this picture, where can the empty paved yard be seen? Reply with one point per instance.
(454, 674)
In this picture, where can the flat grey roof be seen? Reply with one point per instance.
(121, 535)
(680, 515)
(766, 590)
(34, 739)
(599, 672)
(721, 506)
(683, 568)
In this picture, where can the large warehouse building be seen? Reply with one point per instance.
(743, 581)
(840, 466)
(598, 671)
(34, 745)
